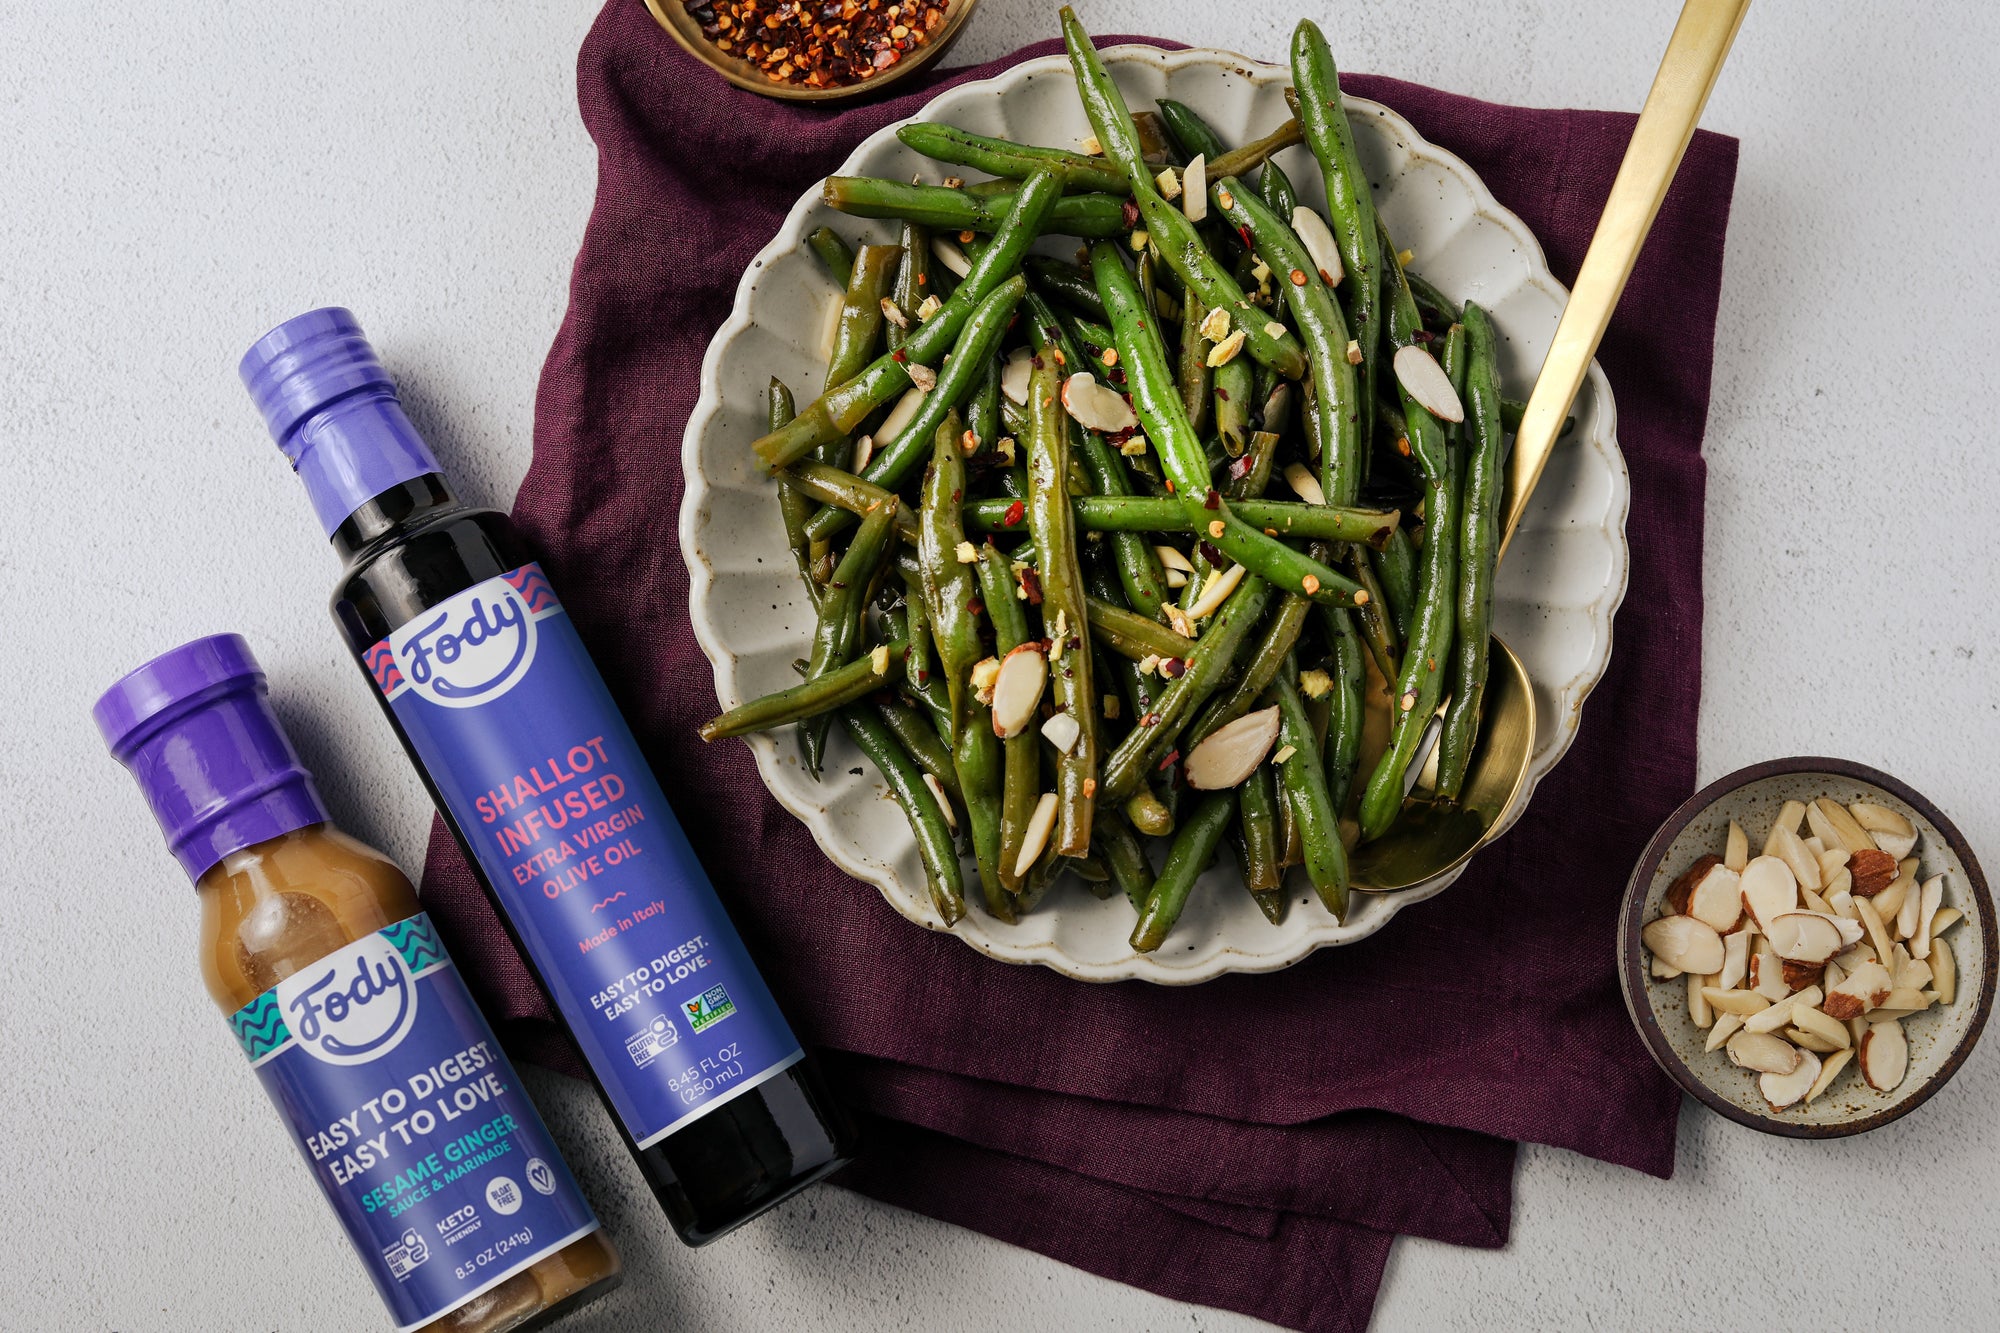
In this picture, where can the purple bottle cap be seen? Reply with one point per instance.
(195, 726)
(333, 411)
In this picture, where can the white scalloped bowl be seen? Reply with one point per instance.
(1562, 582)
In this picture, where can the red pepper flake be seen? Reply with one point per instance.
(1168, 762)
(1213, 500)
(1172, 668)
(1244, 232)
(1298, 277)
(899, 356)
(1015, 513)
(1150, 720)
(976, 606)
(1211, 554)
(1130, 214)
(818, 43)
(1240, 468)
(1222, 393)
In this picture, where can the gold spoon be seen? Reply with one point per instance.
(1429, 838)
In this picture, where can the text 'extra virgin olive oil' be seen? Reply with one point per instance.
(496, 700)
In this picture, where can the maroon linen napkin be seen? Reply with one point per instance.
(1254, 1142)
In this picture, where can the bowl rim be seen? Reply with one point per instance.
(1631, 953)
(670, 15)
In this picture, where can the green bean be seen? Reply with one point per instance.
(977, 756)
(1124, 857)
(998, 157)
(844, 490)
(1159, 513)
(919, 738)
(1196, 377)
(1021, 784)
(1335, 397)
(895, 459)
(913, 279)
(1257, 819)
(950, 590)
(1426, 649)
(1086, 215)
(1235, 392)
(841, 409)
(1280, 636)
(1063, 610)
(982, 410)
(1395, 563)
(1088, 333)
(919, 680)
(1141, 753)
(1148, 813)
(1134, 636)
(1302, 778)
(793, 504)
(1406, 329)
(1166, 425)
(1277, 410)
(1193, 848)
(822, 694)
(1439, 311)
(1512, 409)
(832, 253)
(1350, 204)
(1374, 618)
(1180, 245)
(927, 819)
(1242, 161)
(1275, 188)
(1479, 541)
(1066, 282)
(1250, 475)
(838, 628)
(861, 321)
(1349, 673)
(1190, 131)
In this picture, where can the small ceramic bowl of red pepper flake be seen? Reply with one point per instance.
(814, 50)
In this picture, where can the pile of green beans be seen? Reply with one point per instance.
(1184, 567)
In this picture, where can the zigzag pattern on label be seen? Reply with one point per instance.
(417, 940)
(534, 588)
(381, 663)
(260, 1026)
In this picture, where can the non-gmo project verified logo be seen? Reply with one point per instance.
(707, 1009)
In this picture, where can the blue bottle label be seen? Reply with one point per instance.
(414, 1122)
(530, 756)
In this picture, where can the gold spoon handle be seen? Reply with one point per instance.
(1666, 124)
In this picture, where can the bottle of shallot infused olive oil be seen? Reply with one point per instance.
(352, 1014)
(494, 696)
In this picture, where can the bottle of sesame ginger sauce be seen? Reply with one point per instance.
(350, 1011)
(493, 694)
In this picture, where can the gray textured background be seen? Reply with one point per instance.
(182, 174)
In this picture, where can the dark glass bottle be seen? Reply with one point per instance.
(519, 743)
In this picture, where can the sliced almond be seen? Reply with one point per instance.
(1873, 871)
(1685, 943)
(1699, 1012)
(1194, 188)
(1036, 836)
(1663, 971)
(1681, 892)
(1225, 351)
(1946, 918)
(1805, 937)
(1304, 484)
(1846, 831)
(1944, 971)
(1890, 901)
(1767, 973)
(1829, 1070)
(1842, 903)
(1094, 406)
(1215, 592)
(1892, 832)
(950, 255)
(1780, 1013)
(1899, 1002)
(1792, 851)
(1769, 887)
(1736, 848)
(901, 415)
(1168, 183)
(1864, 987)
(1814, 903)
(1815, 844)
(1878, 934)
(1798, 976)
(1718, 899)
(1910, 912)
(1884, 1054)
(1173, 558)
(1424, 380)
(1735, 960)
(1725, 1028)
(984, 673)
(1215, 325)
(1228, 756)
(944, 802)
(1317, 238)
(1914, 974)
(1781, 1090)
(1017, 690)
(1062, 731)
(1810, 1041)
(1831, 860)
(1822, 1025)
(1742, 1003)
(1763, 1052)
(1015, 374)
(1788, 819)
(1933, 899)
(1832, 974)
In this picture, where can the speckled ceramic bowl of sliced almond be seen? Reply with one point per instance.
(1939, 1037)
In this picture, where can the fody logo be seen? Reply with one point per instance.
(469, 650)
(354, 1005)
